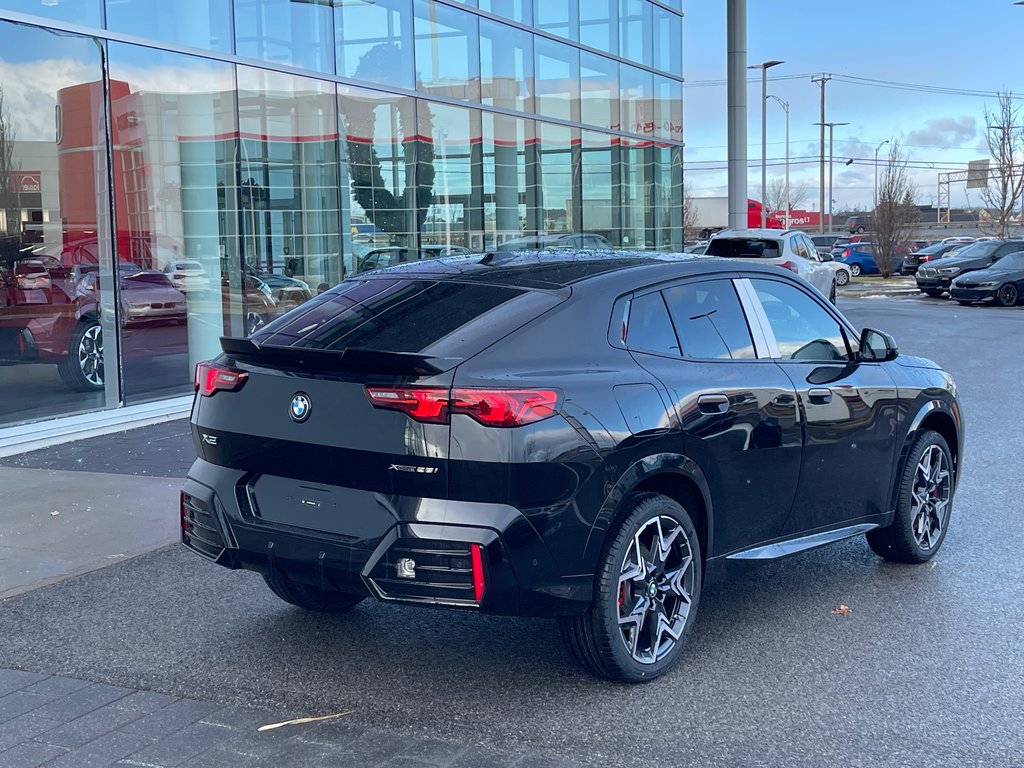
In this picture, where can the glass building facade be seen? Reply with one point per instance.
(174, 172)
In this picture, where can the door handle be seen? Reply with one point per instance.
(713, 404)
(820, 396)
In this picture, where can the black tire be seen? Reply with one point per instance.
(932, 292)
(855, 270)
(832, 293)
(597, 640)
(1007, 295)
(311, 598)
(901, 542)
(842, 277)
(964, 302)
(82, 369)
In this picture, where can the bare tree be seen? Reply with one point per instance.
(8, 168)
(1005, 191)
(896, 212)
(775, 193)
(691, 216)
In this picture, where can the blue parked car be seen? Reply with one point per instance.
(860, 258)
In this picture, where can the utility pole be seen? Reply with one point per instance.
(831, 128)
(821, 145)
(874, 208)
(785, 108)
(764, 67)
(737, 89)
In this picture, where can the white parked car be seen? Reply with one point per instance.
(188, 276)
(784, 248)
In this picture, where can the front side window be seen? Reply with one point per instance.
(649, 328)
(803, 328)
(709, 320)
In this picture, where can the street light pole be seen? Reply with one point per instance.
(764, 67)
(874, 208)
(785, 108)
(831, 128)
(736, 40)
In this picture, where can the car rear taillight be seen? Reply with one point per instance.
(212, 377)
(790, 266)
(490, 407)
(925, 258)
(846, 252)
(477, 561)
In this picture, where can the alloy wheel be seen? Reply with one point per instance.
(253, 322)
(1008, 295)
(90, 355)
(655, 589)
(930, 497)
(855, 269)
(842, 277)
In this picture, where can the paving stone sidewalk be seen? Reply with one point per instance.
(60, 722)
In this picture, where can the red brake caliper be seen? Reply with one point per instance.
(622, 594)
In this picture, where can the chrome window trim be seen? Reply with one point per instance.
(765, 343)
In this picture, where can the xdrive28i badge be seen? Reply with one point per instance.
(301, 407)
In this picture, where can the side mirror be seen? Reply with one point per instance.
(877, 347)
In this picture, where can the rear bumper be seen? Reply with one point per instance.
(439, 536)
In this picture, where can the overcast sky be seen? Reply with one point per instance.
(948, 45)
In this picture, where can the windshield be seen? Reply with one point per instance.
(1012, 261)
(978, 250)
(744, 248)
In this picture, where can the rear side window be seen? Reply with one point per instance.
(649, 328)
(710, 321)
(744, 248)
(434, 317)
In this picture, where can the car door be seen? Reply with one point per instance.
(849, 409)
(821, 275)
(736, 415)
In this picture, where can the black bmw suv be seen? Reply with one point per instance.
(585, 436)
(935, 279)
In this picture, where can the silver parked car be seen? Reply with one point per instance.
(784, 248)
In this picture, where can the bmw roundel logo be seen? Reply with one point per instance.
(300, 407)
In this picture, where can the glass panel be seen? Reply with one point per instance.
(453, 211)
(599, 83)
(516, 10)
(638, 196)
(375, 41)
(286, 32)
(55, 244)
(558, 79)
(383, 151)
(668, 108)
(637, 94)
(76, 11)
(709, 320)
(635, 24)
(558, 198)
(650, 328)
(668, 220)
(199, 23)
(447, 51)
(600, 188)
(175, 137)
(558, 17)
(508, 199)
(599, 24)
(506, 66)
(291, 236)
(668, 42)
(803, 329)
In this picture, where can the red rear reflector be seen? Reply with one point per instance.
(790, 266)
(478, 572)
(211, 378)
(490, 407)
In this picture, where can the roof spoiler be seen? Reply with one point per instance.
(328, 360)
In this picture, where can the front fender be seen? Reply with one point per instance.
(669, 464)
(951, 409)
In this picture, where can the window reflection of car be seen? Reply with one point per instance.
(287, 292)
(147, 296)
(582, 240)
(389, 257)
(188, 276)
(260, 305)
(369, 233)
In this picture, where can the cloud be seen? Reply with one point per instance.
(944, 132)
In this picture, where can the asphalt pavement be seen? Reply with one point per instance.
(927, 668)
